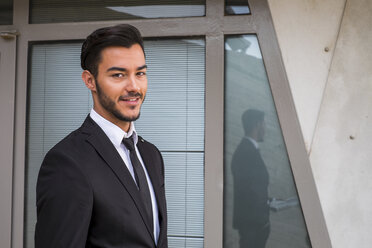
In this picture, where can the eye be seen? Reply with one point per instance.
(118, 75)
(141, 73)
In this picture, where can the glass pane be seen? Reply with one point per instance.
(185, 195)
(174, 121)
(6, 12)
(261, 205)
(172, 117)
(58, 103)
(46, 11)
(237, 7)
(177, 67)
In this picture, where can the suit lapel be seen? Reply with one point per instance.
(107, 151)
(149, 159)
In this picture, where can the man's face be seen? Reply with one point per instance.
(121, 84)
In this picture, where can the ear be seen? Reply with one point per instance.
(89, 80)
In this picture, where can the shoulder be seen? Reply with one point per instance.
(245, 147)
(147, 145)
(75, 143)
(150, 151)
(64, 163)
(67, 155)
(68, 149)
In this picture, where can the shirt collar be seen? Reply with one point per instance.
(253, 141)
(113, 132)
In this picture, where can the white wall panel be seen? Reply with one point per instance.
(341, 152)
(304, 29)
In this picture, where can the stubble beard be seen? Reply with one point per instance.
(110, 105)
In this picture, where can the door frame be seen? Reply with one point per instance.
(8, 40)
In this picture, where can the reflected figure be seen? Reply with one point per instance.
(251, 179)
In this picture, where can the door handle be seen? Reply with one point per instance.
(9, 35)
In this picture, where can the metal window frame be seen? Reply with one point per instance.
(213, 26)
(7, 91)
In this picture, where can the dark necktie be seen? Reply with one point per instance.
(140, 176)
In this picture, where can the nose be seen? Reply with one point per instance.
(132, 84)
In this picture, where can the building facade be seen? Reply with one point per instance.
(304, 64)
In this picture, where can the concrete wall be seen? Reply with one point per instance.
(327, 52)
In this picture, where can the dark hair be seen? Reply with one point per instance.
(251, 118)
(123, 35)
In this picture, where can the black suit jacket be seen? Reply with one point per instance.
(251, 181)
(86, 196)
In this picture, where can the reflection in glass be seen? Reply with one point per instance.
(261, 206)
(6, 12)
(251, 180)
(237, 7)
(45, 11)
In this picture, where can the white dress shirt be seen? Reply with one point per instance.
(253, 141)
(116, 135)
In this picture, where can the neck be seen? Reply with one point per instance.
(124, 125)
(253, 136)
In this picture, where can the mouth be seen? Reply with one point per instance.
(131, 100)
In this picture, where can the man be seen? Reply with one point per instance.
(251, 179)
(103, 185)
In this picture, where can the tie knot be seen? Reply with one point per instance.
(129, 143)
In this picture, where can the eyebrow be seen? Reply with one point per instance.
(124, 69)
